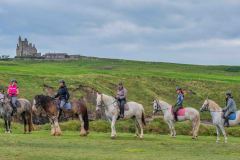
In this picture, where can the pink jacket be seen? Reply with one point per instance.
(12, 90)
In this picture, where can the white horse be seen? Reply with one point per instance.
(110, 105)
(217, 119)
(183, 115)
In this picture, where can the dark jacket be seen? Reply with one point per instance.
(63, 93)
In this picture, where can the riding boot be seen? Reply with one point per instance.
(121, 112)
(175, 116)
(60, 113)
(226, 122)
(14, 111)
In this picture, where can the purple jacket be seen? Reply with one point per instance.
(121, 94)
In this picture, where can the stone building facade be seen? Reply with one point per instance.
(26, 49)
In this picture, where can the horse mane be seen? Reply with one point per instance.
(43, 100)
(213, 105)
(164, 103)
(110, 97)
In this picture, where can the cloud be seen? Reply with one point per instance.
(159, 30)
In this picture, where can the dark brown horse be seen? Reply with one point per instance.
(50, 106)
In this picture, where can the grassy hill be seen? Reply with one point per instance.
(144, 80)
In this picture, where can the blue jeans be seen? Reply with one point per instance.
(64, 104)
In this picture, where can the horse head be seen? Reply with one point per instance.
(99, 101)
(205, 106)
(41, 101)
(156, 106)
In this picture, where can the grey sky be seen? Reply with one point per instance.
(181, 31)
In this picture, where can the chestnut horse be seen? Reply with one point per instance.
(50, 106)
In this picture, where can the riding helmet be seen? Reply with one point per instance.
(61, 81)
(178, 88)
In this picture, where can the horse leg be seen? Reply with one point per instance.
(218, 133)
(6, 125)
(224, 133)
(113, 134)
(83, 131)
(170, 128)
(30, 123)
(141, 127)
(57, 128)
(195, 126)
(52, 127)
(136, 128)
(173, 128)
(24, 122)
(9, 123)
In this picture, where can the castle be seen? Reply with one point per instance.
(25, 49)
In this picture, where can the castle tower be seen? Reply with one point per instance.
(25, 48)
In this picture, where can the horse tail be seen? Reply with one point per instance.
(30, 122)
(197, 124)
(143, 118)
(86, 120)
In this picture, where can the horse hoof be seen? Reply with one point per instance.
(83, 134)
(173, 136)
(141, 137)
(113, 137)
(136, 135)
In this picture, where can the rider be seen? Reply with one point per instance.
(62, 94)
(179, 104)
(122, 98)
(13, 92)
(230, 108)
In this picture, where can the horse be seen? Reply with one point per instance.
(184, 114)
(50, 106)
(110, 105)
(24, 110)
(217, 117)
(5, 112)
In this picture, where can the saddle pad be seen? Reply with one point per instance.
(67, 106)
(181, 112)
(232, 116)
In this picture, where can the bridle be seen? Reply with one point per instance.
(206, 108)
(102, 104)
(158, 106)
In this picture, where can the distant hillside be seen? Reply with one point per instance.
(144, 80)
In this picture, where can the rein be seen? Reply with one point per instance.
(104, 105)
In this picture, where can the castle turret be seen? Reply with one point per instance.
(25, 49)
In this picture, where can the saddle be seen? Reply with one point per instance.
(180, 112)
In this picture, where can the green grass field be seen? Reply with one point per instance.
(98, 146)
(144, 80)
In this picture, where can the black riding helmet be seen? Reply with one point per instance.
(229, 93)
(178, 88)
(120, 83)
(14, 80)
(61, 81)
